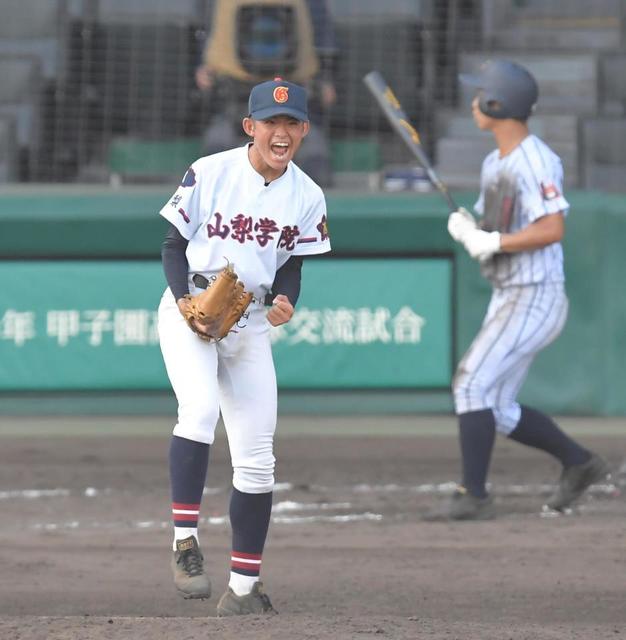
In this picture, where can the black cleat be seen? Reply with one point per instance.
(575, 480)
(462, 505)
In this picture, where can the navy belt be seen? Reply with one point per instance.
(200, 281)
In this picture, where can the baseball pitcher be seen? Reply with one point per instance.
(240, 223)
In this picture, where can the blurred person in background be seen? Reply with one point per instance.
(517, 241)
(254, 40)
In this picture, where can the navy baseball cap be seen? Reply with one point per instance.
(278, 97)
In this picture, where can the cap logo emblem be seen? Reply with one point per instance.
(281, 94)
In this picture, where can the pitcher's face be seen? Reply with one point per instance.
(276, 141)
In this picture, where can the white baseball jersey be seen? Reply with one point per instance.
(523, 186)
(226, 212)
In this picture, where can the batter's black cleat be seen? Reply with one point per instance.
(187, 566)
(575, 480)
(255, 602)
(462, 505)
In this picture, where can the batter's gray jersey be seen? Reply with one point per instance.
(528, 307)
(515, 191)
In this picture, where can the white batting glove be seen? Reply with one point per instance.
(460, 223)
(481, 245)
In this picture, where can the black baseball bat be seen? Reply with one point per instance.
(397, 117)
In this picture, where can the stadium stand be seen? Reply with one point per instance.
(129, 73)
(567, 89)
(553, 25)
(88, 82)
(37, 28)
(19, 98)
(8, 155)
(613, 84)
(576, 53)
(604, 154)
(181, 12)
(32, 34)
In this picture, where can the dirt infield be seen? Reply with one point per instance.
(86, 537)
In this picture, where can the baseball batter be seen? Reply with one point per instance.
(255, 209)
(522, 211)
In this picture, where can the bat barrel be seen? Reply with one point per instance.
(398, 119)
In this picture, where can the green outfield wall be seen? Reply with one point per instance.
(381, 324)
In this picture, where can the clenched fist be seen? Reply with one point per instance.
(281, 310)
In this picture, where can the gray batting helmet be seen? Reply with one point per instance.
(508, 90)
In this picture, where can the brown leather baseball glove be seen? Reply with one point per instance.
(219, 307)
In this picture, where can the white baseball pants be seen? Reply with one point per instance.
(520, 322)
(236, 376)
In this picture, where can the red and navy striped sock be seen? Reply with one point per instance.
(188, 462)
(246, 564)
(249, 517)
(185, 517)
